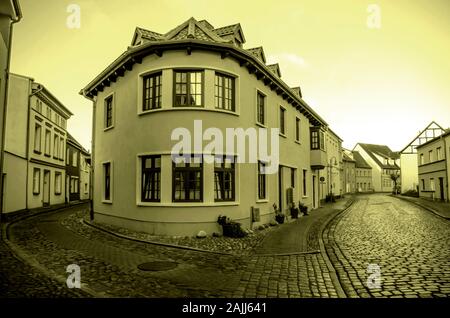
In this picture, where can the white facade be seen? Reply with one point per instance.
(34, 148)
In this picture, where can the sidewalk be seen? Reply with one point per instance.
(437, 207)
(302, 235)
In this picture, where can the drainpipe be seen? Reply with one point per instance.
(5, 103)
(446, 167)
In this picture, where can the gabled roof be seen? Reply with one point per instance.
(234, 29)
(431, 131)
(444, 134)
(41, 91)
(258, 52)
(75, 143)
(383, 151)
(275, 68)
(359, 161)
(145, 35)
(346, 156)
(191, 29)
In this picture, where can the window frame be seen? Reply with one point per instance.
(262, 180)
(153, 169)
(188, 83)
(48, 142)
(109, 198)
(36, 183)
(38, 127)
(186, 170)
(258, 108)
(282, 120)
(222, 100)
(153, 88)
(58, 187)
(223, 169)
(304, 185)
(297, 129)
(110, 97)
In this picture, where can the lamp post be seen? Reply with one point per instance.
(330, 166)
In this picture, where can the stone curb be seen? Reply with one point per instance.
(337, 284)
(423, 207)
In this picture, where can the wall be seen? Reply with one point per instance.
(136, 134)
(409, 172)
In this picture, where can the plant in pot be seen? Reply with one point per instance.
(230, 228)
(294, 211)
(303, 208)
(279, 216)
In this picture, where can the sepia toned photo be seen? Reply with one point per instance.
(234, 150)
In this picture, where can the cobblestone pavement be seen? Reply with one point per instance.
(409, 244)
(109, 265)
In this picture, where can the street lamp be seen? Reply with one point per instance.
(330, 166)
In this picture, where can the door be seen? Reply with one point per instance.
(314, 191)
(46, 193)
(441, 188)
(280, 188)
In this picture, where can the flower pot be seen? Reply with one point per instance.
(294, 213)
(279, 218)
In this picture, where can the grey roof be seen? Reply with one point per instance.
(360, 162)
(381, 150)
(71, 139)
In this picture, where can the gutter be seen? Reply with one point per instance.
(5, 102)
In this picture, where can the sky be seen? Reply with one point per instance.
(376, 71)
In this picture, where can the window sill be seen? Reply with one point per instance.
(38, 152)
(261, 125)
(56, 193)
(108, 128)
(298, 142)
(262, 201)
(283, 135)
(107, 201)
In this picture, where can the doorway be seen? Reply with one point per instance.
(46, 192)
(441, 188)
(314, 191)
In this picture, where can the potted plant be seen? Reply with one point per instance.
(294, 211)
(303, 208)
(279, 217)
(230, 228)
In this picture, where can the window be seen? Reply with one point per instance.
(55, 146)
(297, 129)
(74, 158)
(39, 106)
(86, 188)
(61, 148)
(261, 180)
(282, 120)
(49, 113)
(74, 185)
(292, 178)
(423, 184)
(151, 179)
(430, 156)
(260, 108)
(304, 183)
(58, 178)
(438, 153)
(224, 178)
(68, 156)
(63, 123)
(432, 184)
(47, 142)
(314, 139)
(152, 91)
(224, 92)
(421, 159)
(187, 179)
(36, 180)
(37, 138)
(188, 88)
(109, 112)
(107, 181)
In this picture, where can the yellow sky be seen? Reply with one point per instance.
(371, 85)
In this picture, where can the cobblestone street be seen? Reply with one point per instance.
(408, 243)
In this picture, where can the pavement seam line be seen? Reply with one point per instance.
(333, 275)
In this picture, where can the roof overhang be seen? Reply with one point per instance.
(135, 55)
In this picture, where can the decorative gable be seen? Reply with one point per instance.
(258, 52)
(297, 90)
(431, 131)
(275, 68)
(191, 29)
(232, 33)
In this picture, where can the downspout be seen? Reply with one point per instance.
(446, 167)
(5, 103)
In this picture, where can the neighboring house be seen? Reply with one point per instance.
(408, 156)
(433, 167)
(349, 171)
(34, 169)
(157, 88)
(10, 13)
(363, 174)
(77, 171)
(384, 163)
(333, 172)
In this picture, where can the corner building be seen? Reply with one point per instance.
(167, 81)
